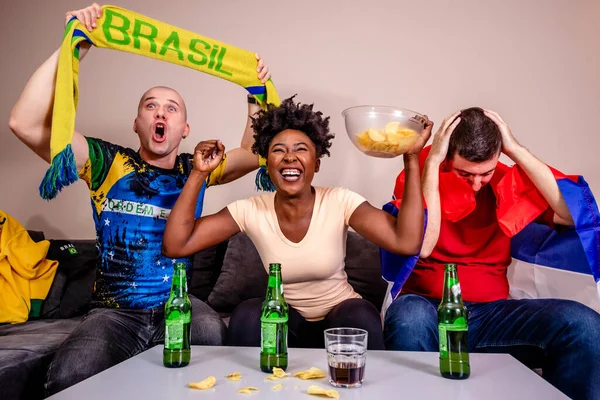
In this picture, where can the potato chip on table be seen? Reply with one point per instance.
(278, 373)
(319, 391)
(312, 373)
(205, 384)
(248, 390)
(236, 376)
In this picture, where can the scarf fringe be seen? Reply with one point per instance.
(62, 173)
(263, 182)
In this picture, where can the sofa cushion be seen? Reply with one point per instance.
(363, 268)
(71, 291)
(25, 353)
(36, 236)
(242, 276)
(206, 269)
(61, 251)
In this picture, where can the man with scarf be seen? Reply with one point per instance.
(132, 193)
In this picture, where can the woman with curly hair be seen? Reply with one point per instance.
(300, 226)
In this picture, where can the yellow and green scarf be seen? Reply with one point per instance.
(124, 30)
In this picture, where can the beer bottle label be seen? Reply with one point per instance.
(174, 334)
(456, 290)
(174, 331)
(454, 286)
(269, 338)
(269, 328)
(459, 325)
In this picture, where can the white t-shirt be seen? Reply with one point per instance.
(314, 279)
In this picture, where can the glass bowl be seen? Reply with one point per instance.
(381, 131)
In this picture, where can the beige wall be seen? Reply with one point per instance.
(535, 62)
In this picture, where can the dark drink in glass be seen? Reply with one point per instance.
(348, 374)
(346, 356)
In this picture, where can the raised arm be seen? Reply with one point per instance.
(184, 235)
(402, 234)
(31, 117)
(431, 182)
(241, 160)
(536, 170)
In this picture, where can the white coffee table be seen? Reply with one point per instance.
(388, 375)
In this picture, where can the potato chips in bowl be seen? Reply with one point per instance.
(381, 131)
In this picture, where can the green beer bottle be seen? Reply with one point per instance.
(452, 326)
(274, 324)
(178, 316)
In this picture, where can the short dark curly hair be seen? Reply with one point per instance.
(289, 115)
(476, 138)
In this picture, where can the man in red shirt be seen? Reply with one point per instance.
(475, 204)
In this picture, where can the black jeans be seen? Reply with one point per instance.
(108, 336)
(244, 326)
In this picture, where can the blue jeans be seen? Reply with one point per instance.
(560, 336)
(109, 336)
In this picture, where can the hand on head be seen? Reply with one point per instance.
(439, 147)
(509, 143)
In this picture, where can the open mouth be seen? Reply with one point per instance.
(291, 174)
(159, 132)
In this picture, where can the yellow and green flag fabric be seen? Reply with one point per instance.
(124, 30)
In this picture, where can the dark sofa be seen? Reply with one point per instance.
(223, 276)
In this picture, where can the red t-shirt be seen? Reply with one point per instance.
(475, 232)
